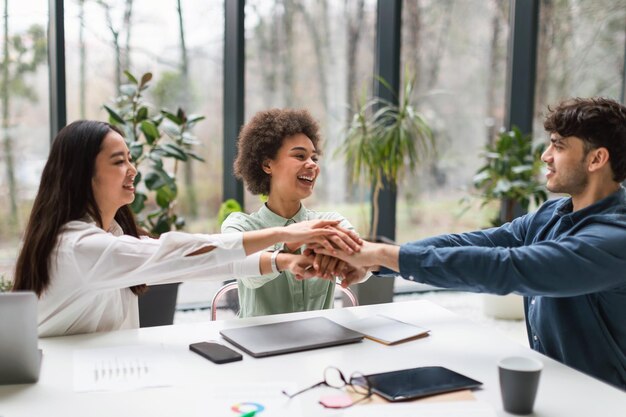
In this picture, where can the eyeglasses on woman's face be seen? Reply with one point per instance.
(334, 378)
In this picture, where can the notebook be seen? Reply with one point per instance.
(387, 330)
(20, 360)
(290, 336)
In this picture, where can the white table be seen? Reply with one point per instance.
(454, 342)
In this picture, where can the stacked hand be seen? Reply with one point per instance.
(310, 265)
(333, 251)
(325, 234)
(351, 267)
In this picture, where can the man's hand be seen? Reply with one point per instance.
(370, 257)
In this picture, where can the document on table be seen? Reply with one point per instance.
(387, 330)
(122, 368)
(412, 409)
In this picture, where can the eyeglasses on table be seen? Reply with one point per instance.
(334, 378)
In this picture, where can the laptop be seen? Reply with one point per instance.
(20, 359)
(290, 336)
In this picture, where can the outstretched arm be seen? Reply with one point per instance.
(322, 233)
(371, 256)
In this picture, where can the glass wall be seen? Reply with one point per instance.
(316, 55)
(182, 44)
(580, 52)
(457, 53)
(25, 117)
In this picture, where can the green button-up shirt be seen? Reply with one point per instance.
(281, 293)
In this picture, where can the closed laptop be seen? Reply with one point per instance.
(290, 336)
(20, 359)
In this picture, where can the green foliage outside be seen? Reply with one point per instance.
(172, 88)
(154, 137)
(22, 54)
(512, 173)
(383, 139)
(229, 206)
(5, 284)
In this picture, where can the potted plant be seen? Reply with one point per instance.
(383, 141)
(159, 141)
(512, 176)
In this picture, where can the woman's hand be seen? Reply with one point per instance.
(328, 267)
(301, 266)
(352, 275)
(325, 234)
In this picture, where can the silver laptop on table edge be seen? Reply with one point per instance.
(20, 358)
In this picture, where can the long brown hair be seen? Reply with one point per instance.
(65, 194)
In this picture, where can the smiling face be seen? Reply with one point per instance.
(114, 174)
(294, 170)
(566, 160)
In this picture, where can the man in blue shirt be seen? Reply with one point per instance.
(568, 258)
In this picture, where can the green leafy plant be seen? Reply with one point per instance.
(154, 137)
(229, 206)
(511, 174)
(5, 284)
(384, 140)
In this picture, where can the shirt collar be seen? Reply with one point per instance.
(115, 229)
(618, 198)
(267, 216)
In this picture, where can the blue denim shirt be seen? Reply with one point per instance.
(570, 266)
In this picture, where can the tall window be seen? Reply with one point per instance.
(181, 43)
(24, 113)
(316, 55)
(580, 52)
(457, 52)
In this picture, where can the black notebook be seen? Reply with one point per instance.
(290, 336)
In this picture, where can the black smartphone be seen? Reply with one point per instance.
(215, 352)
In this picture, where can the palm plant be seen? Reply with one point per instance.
(384, 140)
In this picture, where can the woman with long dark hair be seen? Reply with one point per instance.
(85, 258)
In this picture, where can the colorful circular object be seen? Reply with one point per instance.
(244, 408)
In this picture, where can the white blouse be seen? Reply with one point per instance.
(91, 271)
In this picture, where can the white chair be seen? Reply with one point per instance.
(232, 286)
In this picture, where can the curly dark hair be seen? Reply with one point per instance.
(262, 136)
(598, 121)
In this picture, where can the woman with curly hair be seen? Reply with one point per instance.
(278, 153)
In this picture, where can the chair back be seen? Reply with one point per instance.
(232, 286)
